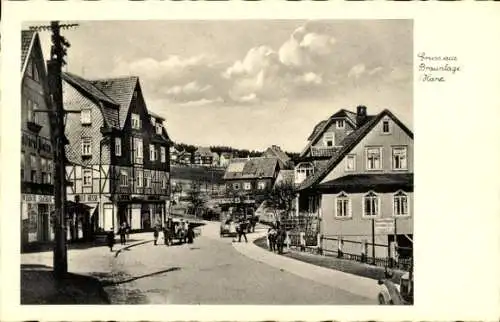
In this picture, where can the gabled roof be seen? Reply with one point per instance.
(82, 85)
(286, 176)
(275, 151)
(203, 151)
(121, 90)
(156, 116)
(322, 126)
(88, 87)
(27, 40)
(350, 143)
(252, 168)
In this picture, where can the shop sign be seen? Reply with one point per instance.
(38, 198)
(384, 226)
(122, 197)
(91, 197)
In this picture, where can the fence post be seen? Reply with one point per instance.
(340, 253)
(373, 241)
(320, 243)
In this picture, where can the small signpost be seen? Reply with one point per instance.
(384, 226)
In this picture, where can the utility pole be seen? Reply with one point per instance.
(57, 117)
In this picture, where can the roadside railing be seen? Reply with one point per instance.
(317, 244)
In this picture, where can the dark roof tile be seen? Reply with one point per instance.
(27, 37)
(251, 168)
(348, 144)
(121, 90)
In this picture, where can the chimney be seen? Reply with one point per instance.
(360, 115)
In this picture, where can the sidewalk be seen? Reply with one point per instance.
(358, 285)
(86, 279)
(332, 262)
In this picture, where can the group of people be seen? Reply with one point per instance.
(276, 238)
(123, 231)
(182, 230)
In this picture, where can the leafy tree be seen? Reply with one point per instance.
(281, 198)
(196, 197)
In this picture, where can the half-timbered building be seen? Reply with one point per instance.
(119, 151)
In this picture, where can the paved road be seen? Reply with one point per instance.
(210, 271)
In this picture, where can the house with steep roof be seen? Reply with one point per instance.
(119, 152)
(283, 158)
(367, 180)
(251, 176)
(203, 156)
(37, 166)
(248, 181)
(174, 154)
(224, 159)
(185, 158)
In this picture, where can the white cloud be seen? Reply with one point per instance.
(305, 64)
(203, 102)
(309, 79)
(356, 71)
(318, 44)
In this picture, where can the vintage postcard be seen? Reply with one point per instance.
(245, 162)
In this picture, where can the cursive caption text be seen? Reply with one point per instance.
(437, 68)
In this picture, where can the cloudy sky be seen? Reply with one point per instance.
(250, 84)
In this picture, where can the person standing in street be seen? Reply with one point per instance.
(243, 231)
(155, 236)
(111, 239)
(123, 231)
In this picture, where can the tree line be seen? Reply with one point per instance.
(238, 153)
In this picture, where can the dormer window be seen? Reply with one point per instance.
(159, 128)
(153, 121)
(136, 121)
(329, 139)
(340, 124)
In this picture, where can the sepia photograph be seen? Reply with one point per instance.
(263, 162)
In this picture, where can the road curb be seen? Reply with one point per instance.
(360, 286)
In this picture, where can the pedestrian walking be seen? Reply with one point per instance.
(111, 239)
(127, 231)
(243, 231)
(190, 234)
(155, 235)
(272, 239)
(123, 232)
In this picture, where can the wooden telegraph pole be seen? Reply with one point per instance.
(57, 116)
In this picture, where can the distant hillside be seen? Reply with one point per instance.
(240, 153)
(196, 174)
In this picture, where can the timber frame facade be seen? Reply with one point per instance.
(119, 153)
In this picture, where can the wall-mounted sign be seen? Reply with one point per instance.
(384, 226)
(49, 199)
(122, 197)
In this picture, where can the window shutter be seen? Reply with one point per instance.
(349, 209)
